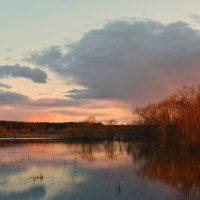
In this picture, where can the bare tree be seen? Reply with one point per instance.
(111, 122)
(91, 119)
(181, 110)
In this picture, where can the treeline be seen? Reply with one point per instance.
(89, 122)
(89, 129)
(34, 126)
(14, 127)
(178, 117)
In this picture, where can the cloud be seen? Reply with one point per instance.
(137, 61)
(80, 113)
(74, 92)
(36, 75)
(16, 106)
(20, 100)
(17, 99)
(2, 85)
(51, 57)
(9, 98)
(55, 102)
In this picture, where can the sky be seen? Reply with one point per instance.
(64, 60)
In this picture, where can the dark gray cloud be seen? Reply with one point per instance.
(51, 57)
(36, 75)
(55, 102)
(2, 85)
(17, 99)
(8, 98)
(74, 91)
(131, 60)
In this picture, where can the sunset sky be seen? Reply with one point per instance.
(63, 60)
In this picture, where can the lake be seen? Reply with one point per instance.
(102, 171)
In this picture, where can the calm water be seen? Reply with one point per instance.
(97, 171)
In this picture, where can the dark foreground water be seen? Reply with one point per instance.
(97, 171)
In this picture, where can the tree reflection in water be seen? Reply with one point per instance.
(178, 169)
(123, 168)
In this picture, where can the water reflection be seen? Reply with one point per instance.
(102, 170)
(178, 169)
(37, 192)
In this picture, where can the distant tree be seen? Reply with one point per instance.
(90, 119)
(111, 122)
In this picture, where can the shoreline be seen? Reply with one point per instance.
(48, 140)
